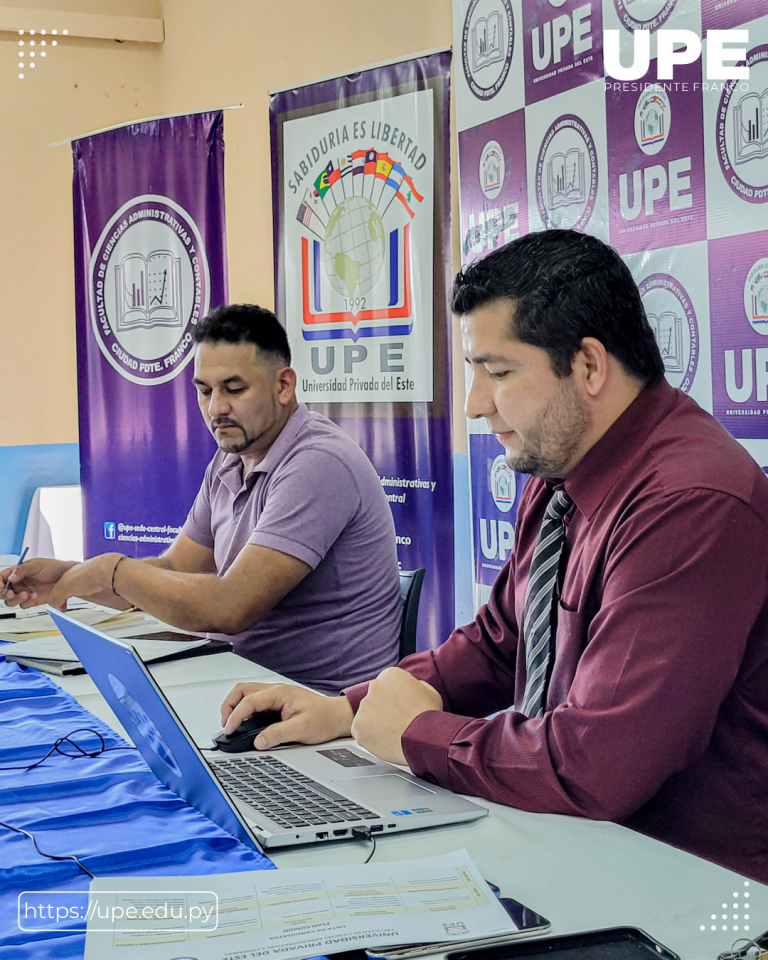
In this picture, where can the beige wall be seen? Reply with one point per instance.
(216, 52)
(82, 85)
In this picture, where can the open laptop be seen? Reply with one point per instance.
(291, 795)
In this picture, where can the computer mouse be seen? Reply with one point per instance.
(241, 739)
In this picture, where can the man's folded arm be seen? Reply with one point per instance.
(662, 655)
(257, 580)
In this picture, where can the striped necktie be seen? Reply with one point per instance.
(539, 598)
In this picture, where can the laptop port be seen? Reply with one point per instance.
(321, 836)
(391, 826)
(339, 833)
(377, 828)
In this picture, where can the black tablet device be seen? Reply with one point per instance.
(615, 943)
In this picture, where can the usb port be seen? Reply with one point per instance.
(321, 836)
(391, 826)
(377, 828)
(339, 833)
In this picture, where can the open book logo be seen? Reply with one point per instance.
(668, 330)
(756, 296)
(149, 286)
(565, 178)
(148, 290)
(653, 115)
(741, 130)
(567, 174)
(673, 320)
(488, 39)
(644, 14)
(750, 127)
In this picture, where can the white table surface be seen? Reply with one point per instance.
(581, 874)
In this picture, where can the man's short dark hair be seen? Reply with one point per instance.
(245, 323)
(565, 286)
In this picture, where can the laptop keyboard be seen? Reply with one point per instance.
(286, 796)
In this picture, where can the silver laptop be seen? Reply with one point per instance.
(287, 796)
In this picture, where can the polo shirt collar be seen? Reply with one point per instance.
(606, 461)
(230, 472)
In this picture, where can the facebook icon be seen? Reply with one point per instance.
(109, 530)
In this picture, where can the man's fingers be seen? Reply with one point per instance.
(29, 569)
(277, 733)
(266, 699)
(235, 696)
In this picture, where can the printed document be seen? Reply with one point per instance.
(294, 913)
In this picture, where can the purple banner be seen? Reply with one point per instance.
(361, 207)
(496, 492)
(656, 163)
(563, 44)
(150, 261)
(738, 291)
(727, 14)
(494, 193)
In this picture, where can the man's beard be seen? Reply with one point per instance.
(230, 446)
(553, 439)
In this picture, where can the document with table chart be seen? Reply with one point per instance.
(292, 913)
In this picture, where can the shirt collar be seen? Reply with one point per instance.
(605, 462)
(231, 468)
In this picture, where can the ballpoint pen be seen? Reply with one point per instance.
(18, 564)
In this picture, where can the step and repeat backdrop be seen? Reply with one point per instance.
(361, 208)
(673, 173)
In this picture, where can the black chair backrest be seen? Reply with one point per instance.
(410, 590)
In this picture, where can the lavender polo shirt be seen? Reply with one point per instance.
(315, 496)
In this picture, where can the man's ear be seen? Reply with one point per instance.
(286, 383)
(590, 366)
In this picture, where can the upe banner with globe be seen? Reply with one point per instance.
(672, 172)
(361, 202)
(150, 260)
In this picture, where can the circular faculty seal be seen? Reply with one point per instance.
(756, 296)
(492, 170)
(487, 44)
(149, 286)
(653, 118)
(741, 130)
(644, 14)
(673, 321)
(566, 174)
(503, 484)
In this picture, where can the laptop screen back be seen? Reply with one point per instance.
(141, 707)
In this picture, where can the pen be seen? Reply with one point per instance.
(18, 564)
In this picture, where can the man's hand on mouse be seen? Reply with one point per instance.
(307, 717)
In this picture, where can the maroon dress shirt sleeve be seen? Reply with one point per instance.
(661, 654)
(483, 654)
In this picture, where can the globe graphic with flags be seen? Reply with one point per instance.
(353, 247)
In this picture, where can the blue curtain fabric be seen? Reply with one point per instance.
(110, 811)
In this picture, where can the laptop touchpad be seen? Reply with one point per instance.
(390, 786)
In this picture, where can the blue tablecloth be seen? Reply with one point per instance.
(110, 811)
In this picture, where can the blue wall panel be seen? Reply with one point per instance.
(462, 541)
(24, 468)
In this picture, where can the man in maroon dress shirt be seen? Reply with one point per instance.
(654, 706)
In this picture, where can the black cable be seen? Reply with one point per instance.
(51, 856)
(56, 748)
(364, 833)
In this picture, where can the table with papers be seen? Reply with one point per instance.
(580, 874)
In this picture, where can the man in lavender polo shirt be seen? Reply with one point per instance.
(619, 670)
(289, 549)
